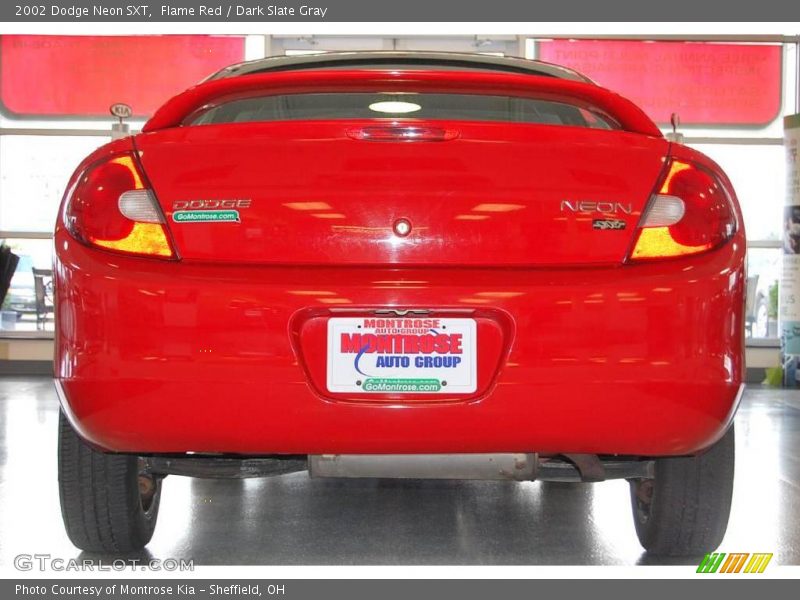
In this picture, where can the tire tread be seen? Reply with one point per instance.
(100, 497)
(691, 503)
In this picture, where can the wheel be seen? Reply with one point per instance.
(108, 504)
(683, 510)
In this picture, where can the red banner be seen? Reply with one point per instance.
(81, 76)
(705, 83)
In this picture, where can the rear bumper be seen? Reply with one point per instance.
(159, 357)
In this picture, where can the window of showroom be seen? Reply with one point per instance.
(729, 94)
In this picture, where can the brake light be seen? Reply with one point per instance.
(690, 213)
(402, 133)
(111, 207)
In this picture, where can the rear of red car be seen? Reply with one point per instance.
(400, 262)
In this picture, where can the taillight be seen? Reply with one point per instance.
(690, 213)
(111, 207)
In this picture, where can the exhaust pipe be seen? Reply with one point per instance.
(513, 467)
(494, 466)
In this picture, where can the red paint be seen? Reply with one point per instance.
(224, 349)
(344, 195)
(81, 76)
(706, 84)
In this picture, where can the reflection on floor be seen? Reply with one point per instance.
(296, 520)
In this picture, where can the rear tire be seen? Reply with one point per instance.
(107, 504)
(684, 509)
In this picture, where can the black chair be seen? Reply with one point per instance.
(8, 266)
(43, 287)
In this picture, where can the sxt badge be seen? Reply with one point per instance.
(608, 224)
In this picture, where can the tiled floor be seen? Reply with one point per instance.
(295, 520)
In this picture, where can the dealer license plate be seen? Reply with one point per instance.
(402, 355)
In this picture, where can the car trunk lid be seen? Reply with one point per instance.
(303, 192)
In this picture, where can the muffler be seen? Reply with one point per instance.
(514, 467)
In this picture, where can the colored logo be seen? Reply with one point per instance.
(206, 216)
(121, 111)
(734, 562)
(382, 384)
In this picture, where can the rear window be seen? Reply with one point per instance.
(364, 105)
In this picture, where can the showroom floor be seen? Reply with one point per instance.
(295, 520)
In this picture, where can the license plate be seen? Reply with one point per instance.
(402, 355)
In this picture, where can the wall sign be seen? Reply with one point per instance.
(789, 295)
(706, 84)
(50, 76)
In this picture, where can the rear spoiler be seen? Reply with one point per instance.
(628, 115)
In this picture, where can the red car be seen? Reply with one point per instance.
(399, 265)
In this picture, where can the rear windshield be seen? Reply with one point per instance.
(364, 105)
